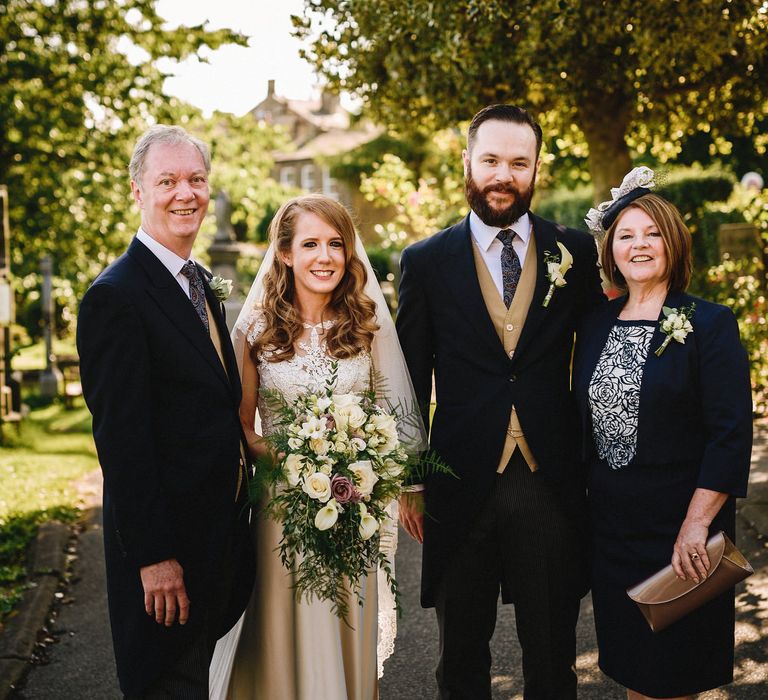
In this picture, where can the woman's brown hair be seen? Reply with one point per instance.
(674, 233)
(353, 310)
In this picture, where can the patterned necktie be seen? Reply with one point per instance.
(196, 291)
(510, 265)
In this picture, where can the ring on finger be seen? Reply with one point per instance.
(694, 556)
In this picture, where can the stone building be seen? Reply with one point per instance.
(319, 129)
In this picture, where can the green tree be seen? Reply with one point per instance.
(241, 150)
(627, 74)
(72, 103)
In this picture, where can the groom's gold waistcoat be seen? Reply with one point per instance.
(508, 324)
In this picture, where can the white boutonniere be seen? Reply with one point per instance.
(557, 266)
(220, 287)
(676, 325)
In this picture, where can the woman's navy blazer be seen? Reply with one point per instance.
(695, 398)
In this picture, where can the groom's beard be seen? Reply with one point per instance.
(503, 218)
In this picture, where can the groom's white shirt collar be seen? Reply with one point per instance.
(490, 247)
(169, 259)
(485, 235)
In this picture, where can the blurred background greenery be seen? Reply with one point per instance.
(679, 86)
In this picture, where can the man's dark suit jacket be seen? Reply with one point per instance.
(695, 398)
(444, 325)
(167, 432)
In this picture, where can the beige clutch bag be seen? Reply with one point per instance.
(663, 598)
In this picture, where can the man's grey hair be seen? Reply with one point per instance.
(163, 133)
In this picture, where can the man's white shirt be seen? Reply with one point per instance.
(491, 247)
(169, 259)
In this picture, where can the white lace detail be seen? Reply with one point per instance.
(306, 371)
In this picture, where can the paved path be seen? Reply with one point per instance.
(79, 664)
(409, 674)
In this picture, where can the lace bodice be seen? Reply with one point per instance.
(308, 370)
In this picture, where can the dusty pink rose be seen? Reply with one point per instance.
(343, 489)
(330, 423)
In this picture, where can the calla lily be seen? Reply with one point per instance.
(566, 259)
(327, 516)
(368, 524)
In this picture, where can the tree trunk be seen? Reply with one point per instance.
(604, 123)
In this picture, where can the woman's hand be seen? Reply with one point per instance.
(257, 445)
(689, 558)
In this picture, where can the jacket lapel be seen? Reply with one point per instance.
(460, 277)
(593, 338)
(221, 323)
(653, 361)
(174, 304)
(546, 241)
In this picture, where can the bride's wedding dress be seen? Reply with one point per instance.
(284, 649)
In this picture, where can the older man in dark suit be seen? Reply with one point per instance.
(160, 377)
(489, 307)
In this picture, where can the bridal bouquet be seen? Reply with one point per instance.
(340, 463)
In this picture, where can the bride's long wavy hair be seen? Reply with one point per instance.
(354, 311)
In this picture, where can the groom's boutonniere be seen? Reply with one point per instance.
(676, 325)
(557, 266)
(220, 287)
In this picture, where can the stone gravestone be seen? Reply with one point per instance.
(51, 377)
(739, 241)
(224, 253)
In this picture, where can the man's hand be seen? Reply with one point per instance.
(412, 514)
(164, 592)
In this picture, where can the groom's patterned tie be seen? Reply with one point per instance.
(510, 265)
(196, 291)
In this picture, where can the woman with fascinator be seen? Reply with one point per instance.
(663, 388)
(315, 311)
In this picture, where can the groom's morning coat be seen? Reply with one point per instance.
(445, 327)
(166, 427)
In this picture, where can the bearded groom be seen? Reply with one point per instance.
(489, 307)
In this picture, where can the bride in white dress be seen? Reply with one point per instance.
(315, 302)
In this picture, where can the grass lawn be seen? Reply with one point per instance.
(33, 356)
(38, 469)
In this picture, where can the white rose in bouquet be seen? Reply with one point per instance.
(342, 442)
(320, 446)
(368, 524)
(386, 427)
(327, 516)
(346, 400)
(391, 469)
(365, 477)
(295, 443)
(348, 417)
(317, 486)
(293, 467)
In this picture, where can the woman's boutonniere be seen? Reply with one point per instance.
(557, 266)
(676, 325)
(220, 287)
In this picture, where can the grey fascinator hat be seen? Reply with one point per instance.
(636, 183)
